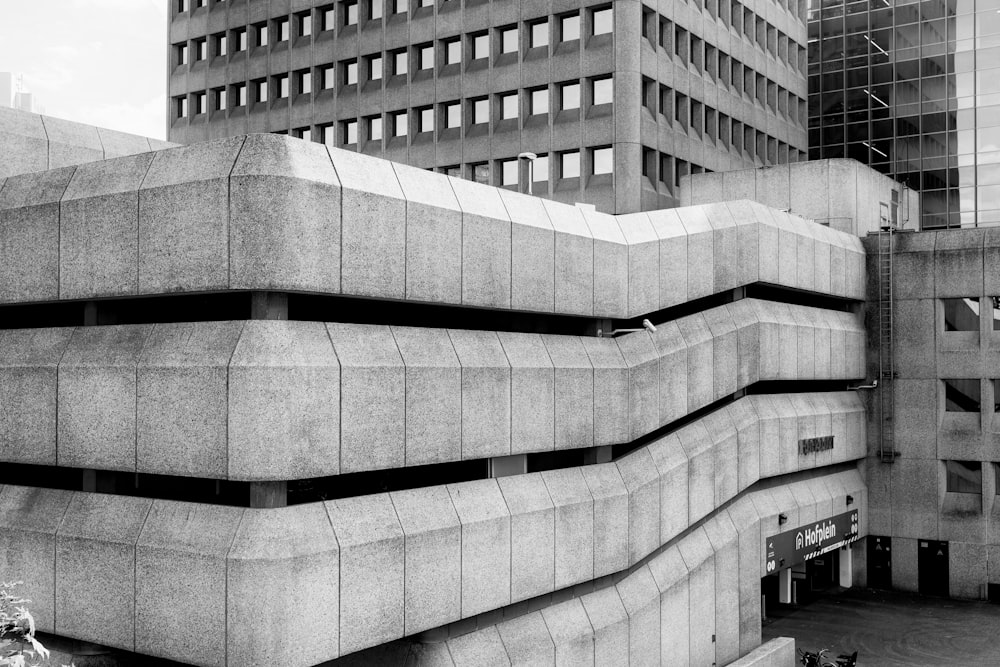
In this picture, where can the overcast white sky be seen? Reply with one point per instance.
(100, 62)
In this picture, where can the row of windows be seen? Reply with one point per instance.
(661, 31)
(964, 314)
(478, 45)
(967, 477)
(508, 105)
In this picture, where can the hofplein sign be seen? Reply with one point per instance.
(801, 544)
(813, 445)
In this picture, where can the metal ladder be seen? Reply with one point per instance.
(886, 448)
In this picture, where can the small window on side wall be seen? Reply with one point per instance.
(995, 303)
(962, 395)
(961, 314)
(964, 476)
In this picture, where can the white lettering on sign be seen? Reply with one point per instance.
(821, 532)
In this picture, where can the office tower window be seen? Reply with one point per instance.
(350, 70)
(425, 3)
(569, 95)
(649, 163)
(538, 34)
(182, 54)
(375, 128)
(480, 172)
(569, 27)
(508, 172)
(508, 106)
(451, 170)
(283, 31)
(604, 92)
(508, 39)
(540, 169)
(261, 90)
(400, 6)
(198, 4)
(282, 86)
(221, 44)
(994, 304)
(425, 56)
(453, 51)
(327, 18)
(374, 68)
(569, 164)
(666, 171)
(962, 395)
(350, 132)
(539, 101)
(305, 24)
(182, 106)
(182, 5)
(480, 46)
(425, 119)
(220, 99)
(304, 82)
(327, 135)
(399, 62)
(328, 77)
(240, 39)
(375, 10)
(603, 160)
(240, 94)
(399, 123)
(260, 33)
(480, 111)
(666, 101)
(453, 115)
(603, 21)
(201, 49)
(961, 314)
(303, 133)
(964, 476)
(350, 13)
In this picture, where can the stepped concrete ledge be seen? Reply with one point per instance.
(210, 399)
(267, 212)
(363, 571)
(31, 142)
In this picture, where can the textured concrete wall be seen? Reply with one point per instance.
(347, 398)
(31, 143)
(678, 607)
(455, 551)
(271, 212)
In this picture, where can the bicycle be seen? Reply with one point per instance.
(819, 659)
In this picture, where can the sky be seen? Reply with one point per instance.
(100, 62)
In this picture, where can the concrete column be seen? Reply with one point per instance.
(505, 466)
(597, 455)
(268, 494)
(269, 306)
(785, 586)
(846, 561)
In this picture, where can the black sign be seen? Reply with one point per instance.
(806, 542)
(813, 445)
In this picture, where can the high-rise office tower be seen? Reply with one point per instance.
(617, 100)
(912, 89)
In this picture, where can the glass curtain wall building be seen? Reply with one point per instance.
(913, 89)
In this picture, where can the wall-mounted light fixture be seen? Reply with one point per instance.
(782, 519)
(850, 500)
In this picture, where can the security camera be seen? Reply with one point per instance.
(649, 326)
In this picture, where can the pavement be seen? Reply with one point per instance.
(892, 628)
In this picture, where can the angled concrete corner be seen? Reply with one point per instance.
(532, 535)
(574, 391)
(610, 626)
(23, 143)
(672, 465)
(486, 545)
(97, 397)
(99, 228)
(284, 216)
(284, 387)
(433, 236)
(180, 572)
(574, 259)
(611, 390)
(643, 264)
(373, 226)
(747, 241)
(643, 363)
(182, 408)
(532, 279)
(701, 251)
(700, 356)
(29, 360)
(120, 144)
(184, 218)
(486, 245)
(433, 395)
(532, 392)
(29, 520)
(288, 558)
(486, 398)
(673, 256)
(641, 600)
(71, 143)
(725, 247)
(611, 524)
(571, 632)
(433, 565)
(95, 565)
(574, 532)
(372, 557)
(639, 472)
(673, 372)
(611, 264)
(372, 397)
(29, 217)
(527, 639)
